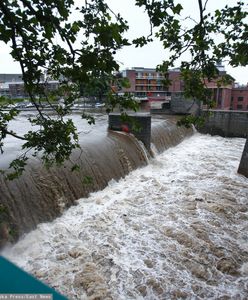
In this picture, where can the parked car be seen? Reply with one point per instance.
(98, 104)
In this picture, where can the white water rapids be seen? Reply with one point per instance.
(175, 229)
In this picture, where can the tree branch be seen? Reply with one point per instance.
(5, 131)
(201, 9)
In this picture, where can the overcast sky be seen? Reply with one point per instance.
(148, 56)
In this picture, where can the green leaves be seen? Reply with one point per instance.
(5, 118)
(89, 118)
(187, 121)
(56, 139)
(123, 102)
(141, 41)
(17, 166)
(177, 9)
(197, 38)
(43, 41)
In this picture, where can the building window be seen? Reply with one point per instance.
(240, 98)
(140, 94)
(239, 106)
(219, 96)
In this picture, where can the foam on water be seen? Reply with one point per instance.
(176, 228)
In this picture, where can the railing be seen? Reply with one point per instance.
(150, 77)
(146, 83)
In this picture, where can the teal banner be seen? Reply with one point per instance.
(17, 284)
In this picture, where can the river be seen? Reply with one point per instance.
(175, 229)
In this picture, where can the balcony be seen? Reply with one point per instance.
(150, 77)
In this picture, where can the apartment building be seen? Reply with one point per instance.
(239, 98)
(4, 90)
(10, 77)
(17, 89)
(146, 84)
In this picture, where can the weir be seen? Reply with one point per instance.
(41, 195)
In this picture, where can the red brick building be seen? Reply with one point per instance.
(146, 84)
(239, 98)
(221, 95)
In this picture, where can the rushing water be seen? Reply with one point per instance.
(174, 229)
(104, 155)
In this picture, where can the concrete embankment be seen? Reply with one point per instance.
(229, 124)
(226, 123)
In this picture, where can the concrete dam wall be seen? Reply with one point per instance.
(41, 195)
(229, 124)
(226, 123)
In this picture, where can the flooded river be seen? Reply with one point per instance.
(175, 229)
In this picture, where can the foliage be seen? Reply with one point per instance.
(5, 118)
(123, 101)
(214, 37)
(79, 53)
(87, 180)
(97, 87)
(190, 119)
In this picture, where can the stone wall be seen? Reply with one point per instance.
(181, 105)
(139, 124)
(226, 123)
